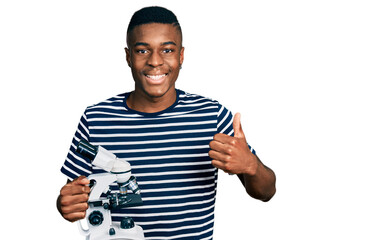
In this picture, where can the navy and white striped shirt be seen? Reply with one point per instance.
(168, 152)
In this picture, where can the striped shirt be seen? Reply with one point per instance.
(168, 152)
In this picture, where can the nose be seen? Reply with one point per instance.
(155, 59)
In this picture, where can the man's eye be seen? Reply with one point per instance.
(142, 51)
(167, 51)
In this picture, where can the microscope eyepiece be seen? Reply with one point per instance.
(87, 150)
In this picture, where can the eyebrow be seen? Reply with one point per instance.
(146, 44)
(168, 43)
(140, 44)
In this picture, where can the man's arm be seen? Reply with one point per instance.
(260, 185)
(232, 155)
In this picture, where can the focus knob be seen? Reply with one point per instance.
(127, 223)
(96, 218)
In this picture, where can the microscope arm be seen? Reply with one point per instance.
(102, 181)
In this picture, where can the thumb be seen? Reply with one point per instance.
(238, 131)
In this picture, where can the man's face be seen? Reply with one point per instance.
(155, 54)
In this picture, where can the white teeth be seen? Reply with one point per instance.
(156, 77)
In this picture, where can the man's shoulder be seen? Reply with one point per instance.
(185, 97)
(115, 102)
(198, 102)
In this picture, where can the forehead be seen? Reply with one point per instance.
(154, 33)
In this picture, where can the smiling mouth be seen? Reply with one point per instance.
(156, 79)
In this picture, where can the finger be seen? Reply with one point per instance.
(72, 217)
(225, 150)
(74, 199)
(79, 207)
(222, 138)
(77, 186)
(220, 165)
(217, 156)
(81, 180)
(237, 126)
(217, 146)
(71, 189)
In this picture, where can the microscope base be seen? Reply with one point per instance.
(135, 233)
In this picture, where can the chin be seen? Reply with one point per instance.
(155, 92)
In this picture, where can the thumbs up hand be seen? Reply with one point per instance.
(232, 154)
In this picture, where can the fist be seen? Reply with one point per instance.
(232, 154)
(72, 202)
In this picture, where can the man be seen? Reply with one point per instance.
(174, 141)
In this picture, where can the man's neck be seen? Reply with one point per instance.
(143, 103)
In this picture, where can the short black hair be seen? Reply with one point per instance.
(153, 14)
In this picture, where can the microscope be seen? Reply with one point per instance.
(102, 200)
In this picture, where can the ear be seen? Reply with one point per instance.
(181, 56)
(128, 56)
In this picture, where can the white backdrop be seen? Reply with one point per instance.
(301, 73)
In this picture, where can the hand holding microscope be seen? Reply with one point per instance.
(98, 215)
